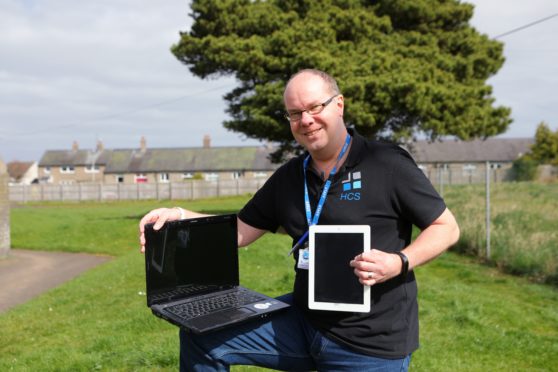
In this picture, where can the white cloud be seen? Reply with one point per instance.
(528, 79)
(82, 70)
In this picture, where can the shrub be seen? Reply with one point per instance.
(524, 169)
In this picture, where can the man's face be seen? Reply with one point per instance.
(320, 131)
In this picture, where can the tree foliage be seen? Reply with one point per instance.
(545, 148)
(524, 168)
(404, 66)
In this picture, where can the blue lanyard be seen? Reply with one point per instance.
(314, 220)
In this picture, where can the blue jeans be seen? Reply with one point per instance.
(285, 341)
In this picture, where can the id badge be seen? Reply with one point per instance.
(303, 258)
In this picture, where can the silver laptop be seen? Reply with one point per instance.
(192, 275)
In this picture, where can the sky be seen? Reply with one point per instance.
(89, 71)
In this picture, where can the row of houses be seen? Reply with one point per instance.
(157, 165)
(458, 160)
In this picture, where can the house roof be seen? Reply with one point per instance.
(190, 160)
(453, 151)
(166, 159)
(17, 169)
(256, 158)
(74, 157)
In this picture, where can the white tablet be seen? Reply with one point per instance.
(333, 284)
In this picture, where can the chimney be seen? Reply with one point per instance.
(143, 144)
(75, 146)
(100, 146)
(206, 141)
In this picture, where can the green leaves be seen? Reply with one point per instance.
(405, 67)
(545, 148)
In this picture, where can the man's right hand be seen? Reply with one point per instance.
(158, 216)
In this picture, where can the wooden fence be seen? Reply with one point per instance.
(104, 192)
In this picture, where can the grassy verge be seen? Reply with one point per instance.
(472, 317)
(524, 238)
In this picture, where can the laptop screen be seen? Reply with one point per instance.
(201, 251)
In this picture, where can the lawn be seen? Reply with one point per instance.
(473, 318)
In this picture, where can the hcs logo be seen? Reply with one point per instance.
(351, 187)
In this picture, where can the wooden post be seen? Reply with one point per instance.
(4, 212)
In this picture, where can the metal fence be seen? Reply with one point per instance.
(106, 192)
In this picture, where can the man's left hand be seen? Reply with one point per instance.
(376, 266)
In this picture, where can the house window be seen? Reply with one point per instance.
(163, 177)
(119, 178)
(211, 176)
(187, 176)
(67, 169)
(140, 178)
(236, 175)
(469, 169)
(92, 168)
(47, 170)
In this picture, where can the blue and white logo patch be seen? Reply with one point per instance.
(352, 186)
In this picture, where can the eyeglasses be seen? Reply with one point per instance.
(314, 110)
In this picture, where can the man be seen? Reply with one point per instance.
(365, 182)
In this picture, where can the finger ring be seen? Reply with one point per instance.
(370, 275)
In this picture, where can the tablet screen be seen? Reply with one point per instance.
(332, 282)
(335, 280)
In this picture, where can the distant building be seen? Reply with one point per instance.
(157, 165)
(23, 173)
(449, 161)
(465, 161)
(74, 165)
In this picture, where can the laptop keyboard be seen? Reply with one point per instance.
(204, 306)
(185, 291)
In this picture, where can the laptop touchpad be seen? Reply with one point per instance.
(234, 314)
(212, 320)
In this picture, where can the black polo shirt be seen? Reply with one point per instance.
(379, 185)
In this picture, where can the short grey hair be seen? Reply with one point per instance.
(328, 79)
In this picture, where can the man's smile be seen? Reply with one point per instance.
(311, 133)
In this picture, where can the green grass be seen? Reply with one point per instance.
(103, 228)
(524, 217)
(473, 318)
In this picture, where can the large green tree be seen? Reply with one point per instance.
(404, 66)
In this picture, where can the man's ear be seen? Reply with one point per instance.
(340, 102)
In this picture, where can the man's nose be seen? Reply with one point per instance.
(306, 119)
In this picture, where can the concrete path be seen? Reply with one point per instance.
(25, 274)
